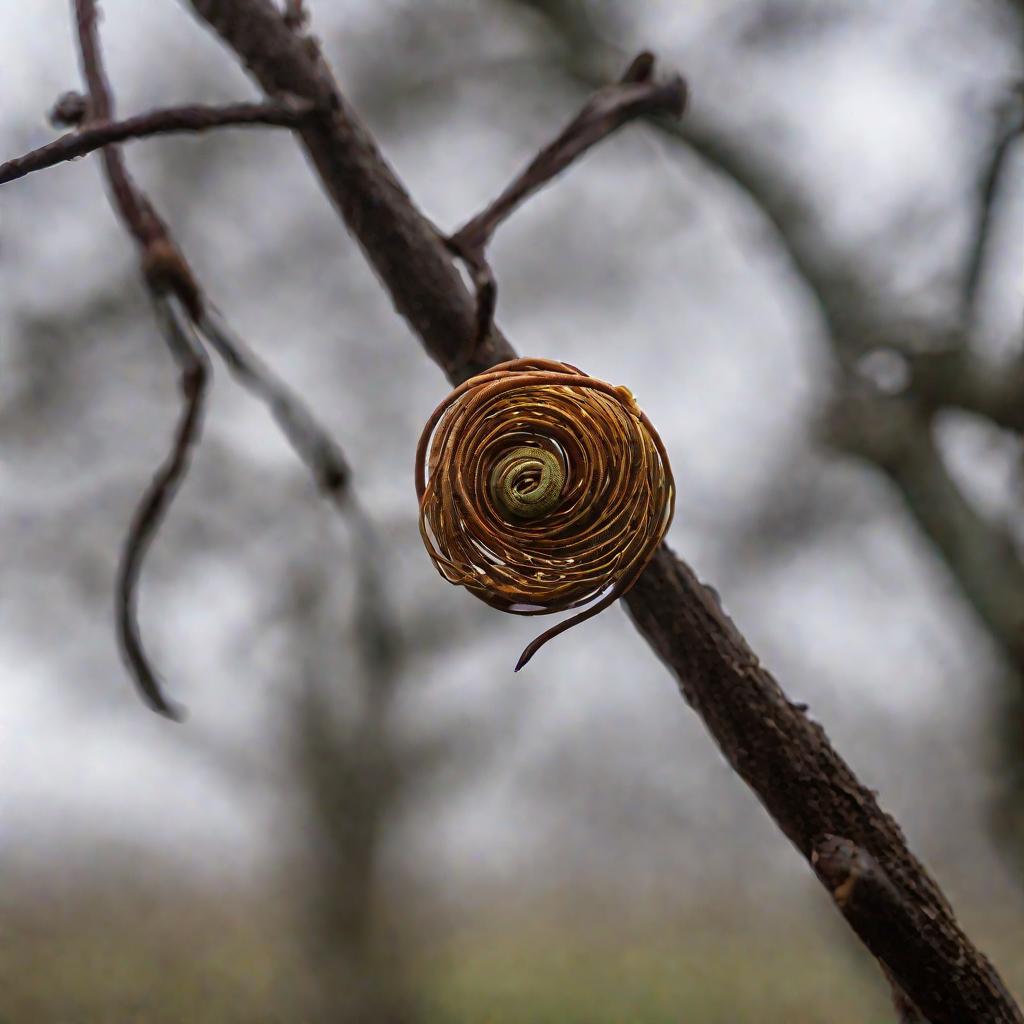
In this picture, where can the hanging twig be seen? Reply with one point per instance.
(181, 309)
(311, 442)
(177, 332)
(166, 274)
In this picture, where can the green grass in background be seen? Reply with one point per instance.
(178, 957)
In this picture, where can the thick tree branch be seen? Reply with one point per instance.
(875, 909)
(166, 274)
(780, 753)
(195, 118)
(400, 243)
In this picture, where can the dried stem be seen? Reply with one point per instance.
(635, 95)
(165, 271)
(155, 502)
(181, 308)
(194, 118)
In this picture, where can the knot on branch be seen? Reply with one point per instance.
(166, 271)
(542, 489)
(69, 111)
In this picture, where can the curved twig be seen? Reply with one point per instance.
(156, 500)
(636, 94)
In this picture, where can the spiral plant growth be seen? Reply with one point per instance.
(542, 489)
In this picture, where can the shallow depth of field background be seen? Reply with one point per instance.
(565, 844)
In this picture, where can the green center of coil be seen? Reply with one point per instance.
(527, 482)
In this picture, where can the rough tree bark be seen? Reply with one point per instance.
(857, 850)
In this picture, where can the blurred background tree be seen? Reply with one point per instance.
(829, 250)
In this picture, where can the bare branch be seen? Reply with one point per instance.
(153, 507)
(956, 378)
(164, 270)
(1009, 130)
(134, 209)
(803, 782)
(195, 118)
(401, 244)
(171, 284)
(635, 95)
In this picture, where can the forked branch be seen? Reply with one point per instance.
(186, 319)
(785, 757)
(636, 94)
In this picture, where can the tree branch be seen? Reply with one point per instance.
(195, 118)
(874, 908)
(310, 441)
(1009, 129)
(182, 311)
(636, 94)
(805, 785)
(956, 378)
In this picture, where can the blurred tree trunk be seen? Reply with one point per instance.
(350, 776)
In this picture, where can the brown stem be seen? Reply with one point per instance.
(636, 94)
(152, 508)
(170, 281)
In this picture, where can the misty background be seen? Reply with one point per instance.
(409, 830)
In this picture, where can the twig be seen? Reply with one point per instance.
(1010, 129)
(311, 442)
(153, 507)
(194, 118)
(165, 271)
(635, 95)
(786, 759)
(180, 308)
(895, 435)
(138, 216)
